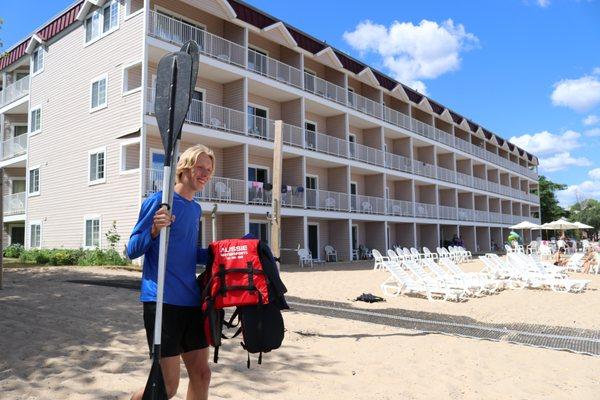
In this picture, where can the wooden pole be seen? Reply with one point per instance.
(276, 212)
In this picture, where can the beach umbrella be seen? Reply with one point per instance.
(525, 225)
(581, 225)
(560, 224)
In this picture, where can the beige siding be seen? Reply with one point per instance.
(233, 33)
(358, 133)
(233, 95)
(291, 112)
(273, 107)
(338, 179)
(69, 131)
(291, 173)
(373, 138)
(375, 235)
(272, 48)
(292, 235)
(233, 162)
(9, 120)
(360, 183)
(290, 57)
(374, 185)
(339, 238)
(319, 120)
(321, 173)
(232, 225)
(336, 126)
(334, 76)
(314, 66)
(212, 23)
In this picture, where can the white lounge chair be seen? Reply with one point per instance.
(452, 292)
(470, 287)
(428, 254)
(381, 262)
(488, 281)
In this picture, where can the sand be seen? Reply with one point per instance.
(63, 340)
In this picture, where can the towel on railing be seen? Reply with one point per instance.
(284, 189)
(300, 189)
(268, 187)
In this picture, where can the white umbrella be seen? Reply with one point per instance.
(525, 225)
(582, 225)
(560, 224)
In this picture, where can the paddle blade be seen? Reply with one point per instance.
(155, 387)
(192, 48)
(173, 93)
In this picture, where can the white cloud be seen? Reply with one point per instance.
(547, 143)
(562, 161)
(591, 120)
(543, 3)
(596, 71)
(585, 190)
(594, 132)
(413, 52)
(594, 174)
(580, 94)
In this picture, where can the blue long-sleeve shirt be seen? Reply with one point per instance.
(183, 252)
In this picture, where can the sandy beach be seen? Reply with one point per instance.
(65, 340)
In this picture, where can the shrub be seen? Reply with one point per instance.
(72, 257)
(101, 257)
(14, 250)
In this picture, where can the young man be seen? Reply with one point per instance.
(182, 331)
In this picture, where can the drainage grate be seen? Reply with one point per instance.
(584, 341)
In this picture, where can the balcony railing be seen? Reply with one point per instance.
(466, 214)
(367, 154)
(326, 200)
(447, 212)
(400, 208)
(14, 204)
(495, 217)
(14, 91)
(479, 183)
(446, 174)
(425, 210)
(274, 69)
(14, 147)
(396, 118)
(367, 204)
(398, 162)
(424, 169)
(326, 144)
(464, 179)
(481, 216)
(174, 31)
(292, 199)
(323, 88)
(257, 194)
(365, 105)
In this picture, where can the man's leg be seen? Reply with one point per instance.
(196, 363)
(170, 371)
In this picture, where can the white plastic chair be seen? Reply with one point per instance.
(223, 192)
(330, 253)
(304, 258)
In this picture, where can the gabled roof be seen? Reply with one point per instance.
(87, 7)
(399, 90)
(367, 76)
(280, 34)
(327, 56)
(34, 42)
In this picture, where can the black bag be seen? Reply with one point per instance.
(262, 328)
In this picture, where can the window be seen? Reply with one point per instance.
(98, 89)
(35, 120)
(102, 21)
(92, 232)
(34, 181)
(97, 168)
(132, 78)
(19, 129)
(130, 156)
(37, 60)
(259, 230)
(257, 60)
(35, 234)
(258, 174)
(311, 182)
(310, 135)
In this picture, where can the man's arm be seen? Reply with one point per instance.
(201, 256)
(141, 237)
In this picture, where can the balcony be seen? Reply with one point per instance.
(447, 212)
(263, 128)
(14, 204)
(466, 214)
(14, 147)
(495, 217)
(224, 190)
(446, 175)
(480, 216)
(176, 32)
(14, 91)
(326, 144)
(369, 155)
(400, 208)
(364, 105)
(327, 200)
(398, 162)
(424, 169)
(274, 69)
(367, 204)
(292, 199)
(425, 210)
(324, 89)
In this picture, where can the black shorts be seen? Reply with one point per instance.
(182, 329)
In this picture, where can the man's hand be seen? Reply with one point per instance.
(162, 219)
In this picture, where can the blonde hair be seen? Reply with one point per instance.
(189, 157)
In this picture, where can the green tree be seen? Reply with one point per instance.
(587, 212)
(549, 206)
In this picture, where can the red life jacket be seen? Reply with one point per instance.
(242, 273)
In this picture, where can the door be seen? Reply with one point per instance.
(311, 191)
(257, 177)
(257, 121)
(351, 98)
(259, 230)
(353, 196)
(313, 240)
(196, 112)
(18, 186)
(354, 241)
(257, 60)
(17, 235)
(310, 135)
(309, 81)
(352, 145)
(155, 175)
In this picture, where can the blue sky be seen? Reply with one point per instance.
(525, 69)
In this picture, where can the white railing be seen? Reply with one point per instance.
(365, 105)
(14, 91)
(479, 183)
(174, 31)
(370, 155)
(466, 214)
(398, 162)
(325, 144)
(422, 128)
(464, 179)
(14, 204)
(14, 147)
(395, 117)
(225, 190)
(367, 204)
(257, 194)
(444, 137)
(401, 208)
(447, 212)
(326, 200)
(446, 174)
(507, 219)
(274, 69)
(495, 217)
(292, 199)
(323, 88)
(424, 169)
(425, 210)
(480, 216)
(259, 127)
